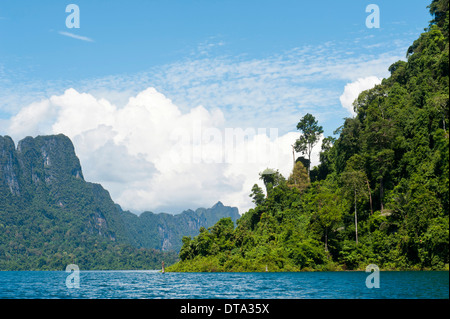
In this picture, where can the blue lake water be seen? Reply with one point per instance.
(154, 285)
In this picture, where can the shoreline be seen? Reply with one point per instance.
(230, 272)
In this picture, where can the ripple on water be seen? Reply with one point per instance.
(139, 284)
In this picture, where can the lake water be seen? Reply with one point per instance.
(154, 285)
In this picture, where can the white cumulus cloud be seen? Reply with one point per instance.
(353, 89)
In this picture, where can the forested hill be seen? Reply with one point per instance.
(380, 194)
(51, 217)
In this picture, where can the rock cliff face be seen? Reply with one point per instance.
(48, 158)
(9, 165)
(37, 162)
(44, 176)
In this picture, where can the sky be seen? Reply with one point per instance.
(175, 105)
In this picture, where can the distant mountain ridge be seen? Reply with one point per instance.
(50, 216)
(165, 231)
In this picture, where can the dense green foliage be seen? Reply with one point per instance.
(380, 194)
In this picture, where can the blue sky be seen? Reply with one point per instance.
(131, 37)
(261, 64)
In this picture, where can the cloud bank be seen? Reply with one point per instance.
(152, 156)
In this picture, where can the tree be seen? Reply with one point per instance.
(186, 251)
(327, 160)
(328, 213)
(257, 195)
(311, 132)
(326, 147)
(299, 177)
(439, 9)
(355, 180)
(271, 179)
(382, 163)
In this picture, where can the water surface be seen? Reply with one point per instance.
(154, 285)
